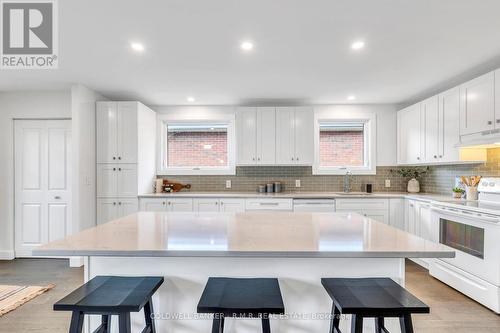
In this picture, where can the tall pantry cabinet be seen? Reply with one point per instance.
(123, 170)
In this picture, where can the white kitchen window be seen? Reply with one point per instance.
(201, 147)
(343, 145)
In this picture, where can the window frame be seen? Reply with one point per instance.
(370, 146)
(162, 164)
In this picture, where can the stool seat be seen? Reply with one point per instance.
(232, 297)
(241, 297)
(112, 295)
(371, 297)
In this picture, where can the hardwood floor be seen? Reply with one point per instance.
(451, 312)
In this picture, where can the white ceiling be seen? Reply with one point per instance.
(302, 49)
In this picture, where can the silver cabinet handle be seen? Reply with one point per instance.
(120, 203)
(296, 158)
(57, 197)
(222, 202)
(119, 169)
(114, 203)
(253, 158)
(119, 157)
(114, 158)
(490, 122)
(418, 158)
(169, 203)
(435, 156)
(440, 156)
(269, 203)
(114, 169)
(258, 158)
(163, 203)
(292, 158)
(498, 121)
(216, 203)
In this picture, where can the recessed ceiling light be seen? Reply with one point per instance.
(358, 45)
(351, 98)
(190, 99)
(137, 47)
(246, 46)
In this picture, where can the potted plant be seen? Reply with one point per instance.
(457, 192)
(413, 173)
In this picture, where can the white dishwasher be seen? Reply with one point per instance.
(314, 205)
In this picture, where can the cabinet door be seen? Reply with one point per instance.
(378, 215)
(401, 138)
(285, 132)
(107, 210)
(266, 136)
(397, 213)
(232, 205)
(127, 132)
(424, 222)
(477, 107)
(411, 217)
(206, 205)
(126, 180)
(180, 205)
(449, 125)
(106, 133)
(153, 205)
(246, 119)
(304, 136)
(413, 137)
(127, 207)
(107, 180)
(430, 111)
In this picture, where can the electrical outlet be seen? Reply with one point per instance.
(228, 183)
(297, 182)
(387, 183)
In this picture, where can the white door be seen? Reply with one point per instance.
(107, 210)
(126, 180)
(304, 136)
(206, 205)
(449, 125)
(477, 107)
(127, 132)
(246, 133)
(431, 115)
(180, 205)
(42, 182)
(285, 149)
(106, 120)
(232, 205)
(266, 137)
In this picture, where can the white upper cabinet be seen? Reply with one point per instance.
(430, 112)
(127, 127)
(256, 135)
(477, 105)
(449, 126)
(294, 135)
(410, 145)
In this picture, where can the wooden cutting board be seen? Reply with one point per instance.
(176, 187)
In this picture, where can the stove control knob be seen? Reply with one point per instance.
(484, 184)
(492, 184)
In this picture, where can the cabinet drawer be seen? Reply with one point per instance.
(361, 204)
(269, 204)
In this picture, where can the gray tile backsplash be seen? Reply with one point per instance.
(440, 179)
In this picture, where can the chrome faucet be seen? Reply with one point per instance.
(347, 180)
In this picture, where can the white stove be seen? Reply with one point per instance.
(472, 229)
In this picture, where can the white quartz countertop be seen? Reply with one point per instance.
(249, 234)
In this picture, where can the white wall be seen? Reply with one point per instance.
(21, 105)
(83, 106)
(386, 122)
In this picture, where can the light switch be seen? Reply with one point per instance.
(228, 183)
(297, 182)
(387, 183)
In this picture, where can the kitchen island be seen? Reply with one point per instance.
(297, 248)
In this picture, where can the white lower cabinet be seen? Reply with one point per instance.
(269, 204)
(377, 209)
(112, 208)
(166, 204)
(418, 222)
(397, 213)
(218, 205)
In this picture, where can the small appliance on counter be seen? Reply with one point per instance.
(369, 188)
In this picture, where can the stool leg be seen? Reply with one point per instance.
(406, 324)
(148, 311)
(124, 323)
(266, 326)
(106, 323)
(218, 323)
(334, 322)
(379, 325)
(356, 324)
(76, 322)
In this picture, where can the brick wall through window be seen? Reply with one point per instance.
(197, 149)
(341, 148)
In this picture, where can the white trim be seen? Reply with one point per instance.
(7, 255)
(230, 169)
(370, 133)
(76, 261)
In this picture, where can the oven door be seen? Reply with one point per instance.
(475, 239)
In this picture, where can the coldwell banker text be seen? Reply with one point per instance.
(29, 34)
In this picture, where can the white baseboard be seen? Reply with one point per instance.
(75, 261)
(6, 255)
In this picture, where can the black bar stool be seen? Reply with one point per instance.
(241, 298)
(377, 298)
(111, 295)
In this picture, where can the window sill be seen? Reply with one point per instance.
(231, 171)
(343, 171)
